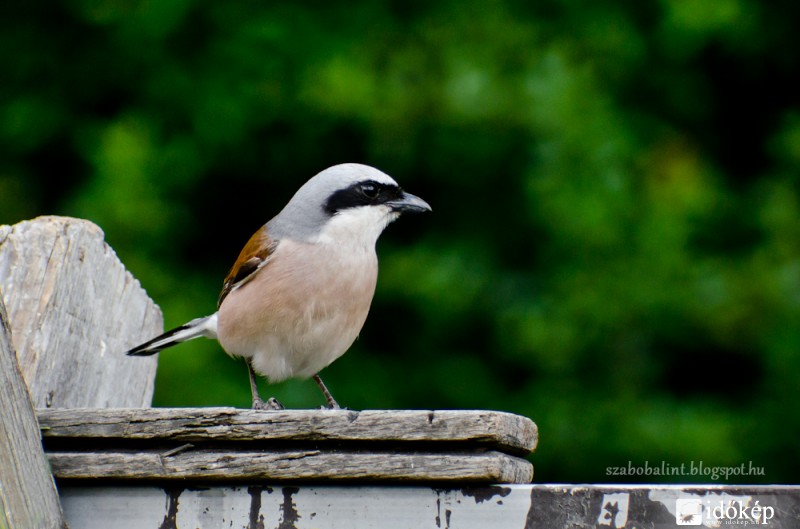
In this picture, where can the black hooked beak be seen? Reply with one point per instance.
(408, 203)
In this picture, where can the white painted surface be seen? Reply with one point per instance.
(548, 506)
(293, 507)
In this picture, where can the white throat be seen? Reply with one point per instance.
(357, 227)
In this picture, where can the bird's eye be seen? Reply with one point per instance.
(369, 190)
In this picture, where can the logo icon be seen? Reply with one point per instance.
(689, 511)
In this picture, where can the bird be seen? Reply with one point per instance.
(298, 295)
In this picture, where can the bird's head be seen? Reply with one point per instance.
(347, 201)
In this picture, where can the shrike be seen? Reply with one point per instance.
(299, 293)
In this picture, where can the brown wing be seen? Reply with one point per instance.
(253, 256)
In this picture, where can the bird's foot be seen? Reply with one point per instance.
(271, 404)
(332, 405)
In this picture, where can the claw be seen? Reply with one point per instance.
(271, 404)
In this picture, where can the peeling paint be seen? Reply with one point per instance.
(614, 509)
(289, 514)
(569, 508)
(171, 517)
(447, 512)
(173, 506)
(256, 519)
(481, 494)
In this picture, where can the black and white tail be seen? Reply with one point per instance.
(205, 327)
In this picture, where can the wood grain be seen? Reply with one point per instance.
(74, 310)
(475, 428)
(200, 444)
(28, 495)
(293, 465)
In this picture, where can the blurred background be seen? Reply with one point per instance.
(614, 249)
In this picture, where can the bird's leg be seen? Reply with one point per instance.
(258, 404)
(332, 404)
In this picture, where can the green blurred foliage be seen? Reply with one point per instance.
(615, 244)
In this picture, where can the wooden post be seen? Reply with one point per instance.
(28, 496)
(74, 310)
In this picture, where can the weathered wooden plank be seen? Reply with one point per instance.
(292, 465)
(74, 309)
(28, 496)
(500, 430)
(483, 507)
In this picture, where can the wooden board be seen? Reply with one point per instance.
(28, 495)
(212, 444)
(477, 428)
(268, 505)
(204, 465)
(74, 311)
